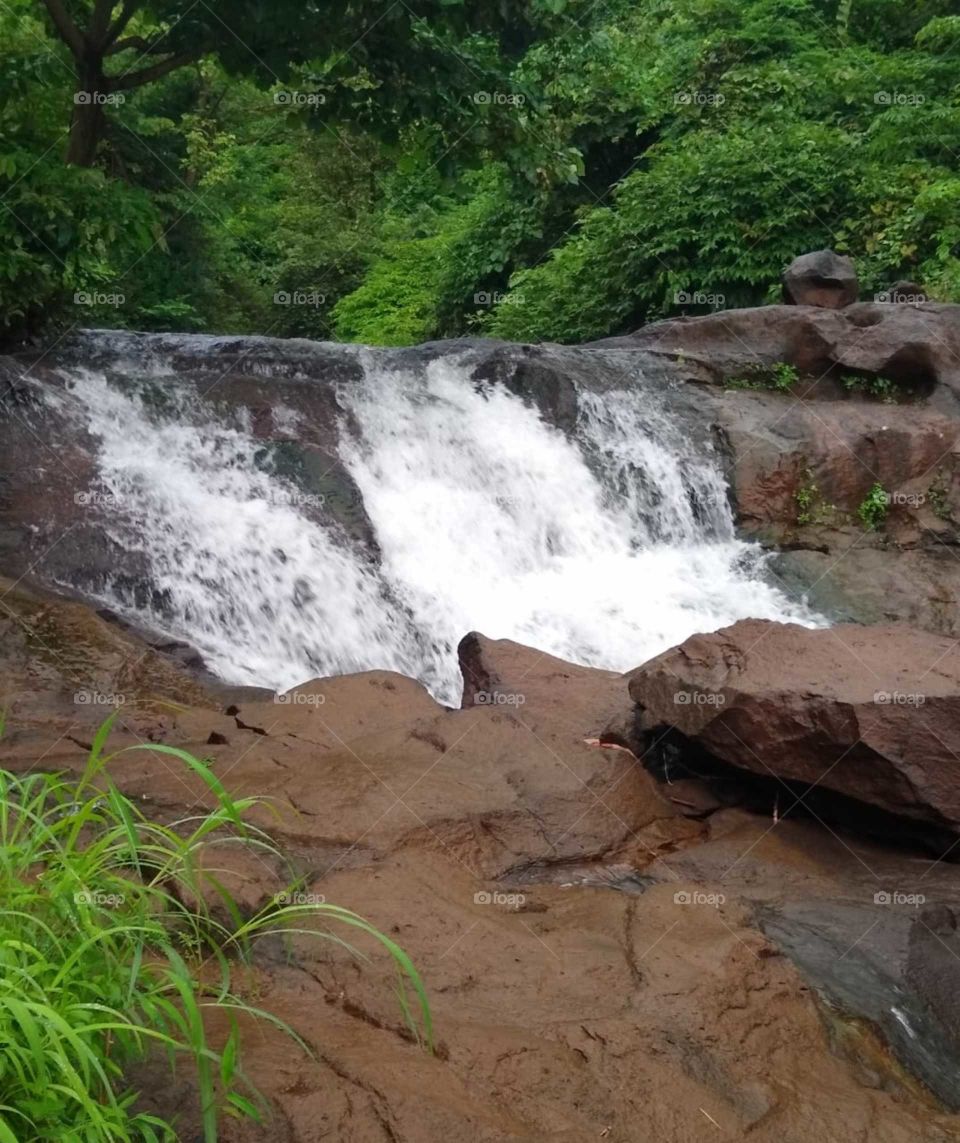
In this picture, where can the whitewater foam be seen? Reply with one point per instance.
(603, 548)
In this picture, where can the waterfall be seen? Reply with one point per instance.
(604, 546)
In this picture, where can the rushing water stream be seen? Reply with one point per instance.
(604, 546)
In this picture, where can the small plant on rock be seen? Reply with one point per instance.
(811, 507)
(882, 388)
(783, 376)
(806, 498)
(874, 506)
(937, 495)
(779, 376)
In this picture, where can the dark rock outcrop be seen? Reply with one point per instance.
(876, 401)
(821, 278)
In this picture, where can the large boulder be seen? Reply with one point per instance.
(872, 713)
(821, 278)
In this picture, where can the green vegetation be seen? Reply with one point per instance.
(806, 497)
(874, 506)
(553, 169)
(937, 495)
(882, 388)
(811, 507)
(117, 938)
(779, 376)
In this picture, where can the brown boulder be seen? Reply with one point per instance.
(872, 713)
(821, 278)
(588, 702)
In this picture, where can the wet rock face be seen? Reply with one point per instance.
(801, 462)
(821, 278)
(872, 713)
(56, 519)
(285, 395)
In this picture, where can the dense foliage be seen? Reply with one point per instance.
(555, 169)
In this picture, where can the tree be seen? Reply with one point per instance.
(94, 32)
(370, 61)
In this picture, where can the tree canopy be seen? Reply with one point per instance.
(553, 169)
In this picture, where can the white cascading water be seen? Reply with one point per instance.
(605, 549)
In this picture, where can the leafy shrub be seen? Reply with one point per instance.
(711, 212)
(439, 269)
(874, 506)
(397, 303)
(67, 234)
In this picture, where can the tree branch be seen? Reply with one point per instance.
(66, 28)
(126, 15)
(149, 74)
(143, 46)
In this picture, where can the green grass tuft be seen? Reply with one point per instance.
(110, 947)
